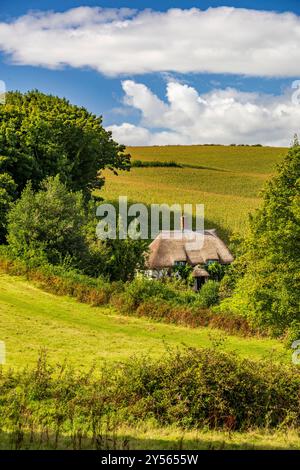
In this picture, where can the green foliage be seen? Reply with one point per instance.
(42, 135)
(209, 388)
(184, 271)
(166, 301)
(54, 225)
(142, 289)
(270, 255)
(292, 333)
(295, 142)
(191, 389)
(216, 271)
(155, 163)
(116, 259)
(7, 195)
(48, 223)
(209, 293)
(122, 258)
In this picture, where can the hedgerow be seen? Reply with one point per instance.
(190, 388)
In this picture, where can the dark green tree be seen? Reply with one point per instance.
(216, 271)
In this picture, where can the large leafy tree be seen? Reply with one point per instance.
(42, 135)
(268, 285)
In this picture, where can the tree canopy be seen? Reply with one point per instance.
(43, 135)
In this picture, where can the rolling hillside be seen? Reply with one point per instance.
(227, 180)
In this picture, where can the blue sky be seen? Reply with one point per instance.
(133, 100)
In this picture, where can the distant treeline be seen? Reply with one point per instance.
(205, 145)
(169, 164)
(140, 164)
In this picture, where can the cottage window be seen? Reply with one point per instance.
(179, 263)
(211, 261)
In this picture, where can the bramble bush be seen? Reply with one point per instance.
(57, 406)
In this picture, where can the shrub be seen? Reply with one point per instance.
(50, 221)
(216, 271)
(197, 388)
(292, 333)
(142, 289)
(209, 294)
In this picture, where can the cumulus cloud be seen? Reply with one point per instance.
(221, 116)
(124, 41)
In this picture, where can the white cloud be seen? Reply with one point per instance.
(220, 116)
(123, 41)
(131, 134)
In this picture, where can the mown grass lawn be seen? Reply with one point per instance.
(31, 319)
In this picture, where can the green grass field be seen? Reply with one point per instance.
(228, 184)
(31, 319)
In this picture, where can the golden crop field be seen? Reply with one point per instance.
(226, 179)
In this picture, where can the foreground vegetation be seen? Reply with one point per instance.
(55, 406)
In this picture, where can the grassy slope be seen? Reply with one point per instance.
(258, 160)
(228, 185)
(31, 319)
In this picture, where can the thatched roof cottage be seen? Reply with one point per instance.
(173, 248)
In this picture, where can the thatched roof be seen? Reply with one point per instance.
(171, 247)
(199, 272)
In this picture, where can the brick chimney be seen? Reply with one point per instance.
(182, 223)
